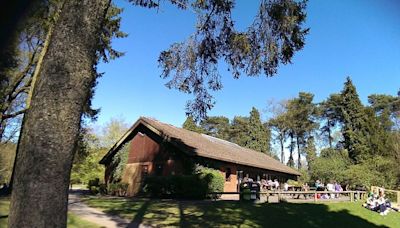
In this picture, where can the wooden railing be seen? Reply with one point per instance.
(353, 195)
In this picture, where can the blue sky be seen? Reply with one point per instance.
(359, 38)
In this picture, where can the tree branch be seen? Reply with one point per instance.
(12, 115)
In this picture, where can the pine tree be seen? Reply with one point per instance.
(301, 112)
(259, 135)
(310, 152)
(354, 121)
(239, 130)
(217, 126)
(191, 125)
(330, 114)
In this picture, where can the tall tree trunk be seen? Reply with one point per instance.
(298, 152)
(291, 160)
(329, 134)
(281, 138)
(51, 126)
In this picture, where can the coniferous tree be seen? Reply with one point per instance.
(386, 107)
(239, 130)
(259, 135)
(301, 111)
(217, 126)
(311, 152)
(330, 113)
(354, 119)
(191, 125)
(280, 126)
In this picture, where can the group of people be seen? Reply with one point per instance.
(378, 202)
(269, 184)
(331, 186)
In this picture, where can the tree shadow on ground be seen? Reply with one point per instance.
(163, 213)
(239, 214)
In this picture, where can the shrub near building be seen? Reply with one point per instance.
(195, 186)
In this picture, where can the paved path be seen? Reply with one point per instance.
(79, 208)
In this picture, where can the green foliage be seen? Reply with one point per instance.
(386, 107)
(195, 186)
(311, 152)
(354, 123)
(376, 171)
(89, 168)
(112, 131)
(94, 186)
(119, 162)
(301, 112)
(179, 186)
(248, 132)
(258, 135)
(213, 177)
(304, 178)
(239, 130)
(191, 125)
(279, 125)
(330, 166)
(217, 126)
(118, 189)
(272, 39)
(331, 114)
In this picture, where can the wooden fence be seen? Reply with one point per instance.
(282, 195)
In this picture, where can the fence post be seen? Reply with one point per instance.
(315, 196)
(352, 196)
(398, 198)
(279, 196)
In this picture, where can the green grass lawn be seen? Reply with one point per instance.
(73, 220)
(231, 213)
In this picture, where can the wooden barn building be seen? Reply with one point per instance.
(157, 148)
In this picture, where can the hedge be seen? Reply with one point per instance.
(195, 186)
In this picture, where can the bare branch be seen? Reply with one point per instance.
(12, 115)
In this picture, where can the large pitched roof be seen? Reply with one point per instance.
(205, 146)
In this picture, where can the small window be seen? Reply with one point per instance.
(228, 173)
(145, 170)
(159, 169)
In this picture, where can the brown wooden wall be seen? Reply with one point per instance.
(147, 151)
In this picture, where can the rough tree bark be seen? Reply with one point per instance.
(298, 153)
(40, 192)
(281, 141)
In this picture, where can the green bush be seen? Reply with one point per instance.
(94, 190)
(196, 186)
(103, 189)
(118, 189)
(94, 186)
(179, 187)
(214, 178)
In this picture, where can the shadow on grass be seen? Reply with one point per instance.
(238, 214)
(161, 213)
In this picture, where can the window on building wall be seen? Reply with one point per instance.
(159, 169)
(228, 173)
(145, 170)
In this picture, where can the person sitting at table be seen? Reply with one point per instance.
(285, 186)
(319, 186)
(305, 188)
(264, 184)
(330, 187)
(276, 184)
